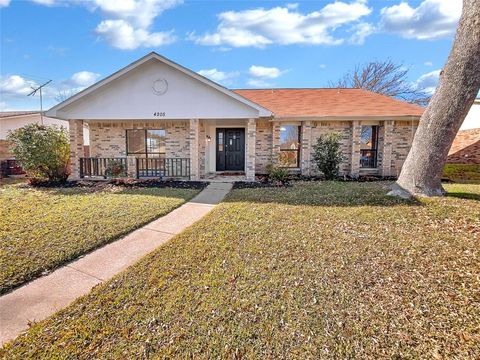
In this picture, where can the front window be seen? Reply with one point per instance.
(289, 146)
(368, 146)
(146, 143)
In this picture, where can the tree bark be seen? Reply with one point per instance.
(458, 86)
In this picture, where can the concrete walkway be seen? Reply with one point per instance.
(40, 298)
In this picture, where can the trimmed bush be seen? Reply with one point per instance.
(43, 151)
(328, 155)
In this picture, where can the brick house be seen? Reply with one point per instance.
(158, 118)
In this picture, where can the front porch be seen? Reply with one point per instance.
(175, 149)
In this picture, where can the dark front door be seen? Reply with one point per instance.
(230, 149)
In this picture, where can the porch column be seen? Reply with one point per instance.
(194, 142)
(131, 166)
(76, 147)
(387, 149)
(306, 148)
(251, 142)
(356, 144)
(275, 142)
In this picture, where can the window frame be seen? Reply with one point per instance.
(298, 150)
(373, 148)
(145, 145)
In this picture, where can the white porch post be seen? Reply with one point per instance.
(387, 148)
(76, 147)
(251, 142)
(194, 142)
(356, 134)
(306, 148)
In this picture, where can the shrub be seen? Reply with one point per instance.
(115, 168)
(43, 151)
(328, 155)
(277, 173)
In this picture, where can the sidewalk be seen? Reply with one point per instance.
(42, 297)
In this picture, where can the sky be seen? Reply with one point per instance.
(239, 44)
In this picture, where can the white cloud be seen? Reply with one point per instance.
(259, 83)
(122, 35)
(84, 78)
(432, 19)
(15, 85)
(4, 3)
(264, 72)
(360, 32)
(428, 82)
(428, 63)
(128, 22)
(219, 76)
(140, 13)
(322, 66)
(283, 25)
(46, 2)
(15, 88)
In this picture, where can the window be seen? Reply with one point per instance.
(368, 146)
(147, 143)
(289, 146)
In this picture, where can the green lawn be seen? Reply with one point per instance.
(467, 173)
(42, 229)
(319, 270)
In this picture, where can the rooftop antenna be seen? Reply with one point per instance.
(41, 98)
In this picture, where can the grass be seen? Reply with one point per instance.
(319, 270)
(42, 229)
(462, 172)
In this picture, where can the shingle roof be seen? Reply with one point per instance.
(330, 102)
(4, 114)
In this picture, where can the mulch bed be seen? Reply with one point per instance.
(127, 183)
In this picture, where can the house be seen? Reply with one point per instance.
(11, 120)
(466, 145)
(158, 118)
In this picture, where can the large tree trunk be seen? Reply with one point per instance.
(458, 86)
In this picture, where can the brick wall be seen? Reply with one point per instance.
(4, 150)
(344, 128)
(465, 148)
(263, 146)
(402, 137)
(108, 139)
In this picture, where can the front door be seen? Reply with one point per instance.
(230, 149)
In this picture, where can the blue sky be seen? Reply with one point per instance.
(240, 44)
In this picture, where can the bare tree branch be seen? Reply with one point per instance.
(384, 77)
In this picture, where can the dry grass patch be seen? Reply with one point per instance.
(319, 270)
(42, 229)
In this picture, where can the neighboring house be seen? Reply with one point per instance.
(465, 148)
(161, 119)
(11, 120)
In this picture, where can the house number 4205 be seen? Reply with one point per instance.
(158, 114)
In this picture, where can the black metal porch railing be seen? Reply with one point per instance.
(368, 158)
(103, 167)
(163, 167)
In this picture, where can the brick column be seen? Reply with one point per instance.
(306, 148)
(131, 166)
(356, 134)
(387, 148)
(275, 141)
(194, 151)
(251, 142)
(76, 147)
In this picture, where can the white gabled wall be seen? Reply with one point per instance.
(131, 97)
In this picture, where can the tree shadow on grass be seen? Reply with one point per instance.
(324, 193)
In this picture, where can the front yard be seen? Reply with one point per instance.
(319, 270)
(42, 229)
